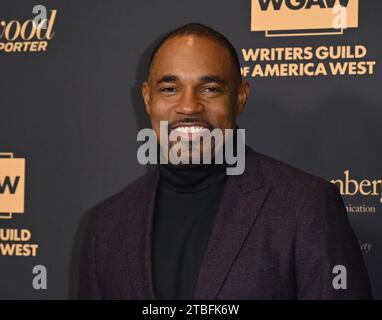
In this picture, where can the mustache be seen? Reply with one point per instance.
(190, 122)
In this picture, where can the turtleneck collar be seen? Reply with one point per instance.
(191, 177)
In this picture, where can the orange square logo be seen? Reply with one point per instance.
(12, 185)
(293, 17)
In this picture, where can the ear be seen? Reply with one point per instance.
(146, 95)
(242, 96)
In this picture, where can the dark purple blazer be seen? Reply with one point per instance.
(278, 234)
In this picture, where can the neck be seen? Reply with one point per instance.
(191, 178)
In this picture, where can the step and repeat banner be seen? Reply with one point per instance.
(71, 107)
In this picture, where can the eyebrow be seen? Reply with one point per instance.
(168, 78)
(203, 79)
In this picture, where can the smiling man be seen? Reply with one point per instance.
(190, 231)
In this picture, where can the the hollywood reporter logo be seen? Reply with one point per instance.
(193, 145)
(32, 35)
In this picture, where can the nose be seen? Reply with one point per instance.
(189, 103)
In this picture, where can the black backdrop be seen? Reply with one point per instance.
(73, 112)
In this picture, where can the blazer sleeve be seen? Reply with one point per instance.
(328, 260)
(88, 282)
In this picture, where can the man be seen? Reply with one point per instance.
(186, 231)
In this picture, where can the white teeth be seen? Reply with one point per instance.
(192, 129)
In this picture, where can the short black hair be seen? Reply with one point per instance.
(200, 30)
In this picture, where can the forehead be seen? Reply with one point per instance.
(192, 56)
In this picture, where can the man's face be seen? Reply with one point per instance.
(193, 85)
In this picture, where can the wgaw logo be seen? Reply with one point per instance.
(12, 185)
(303, 17)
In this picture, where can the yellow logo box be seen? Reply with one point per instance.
(12, 185)
(281, 15)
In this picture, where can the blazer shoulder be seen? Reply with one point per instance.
(114, 208)
(291, 179)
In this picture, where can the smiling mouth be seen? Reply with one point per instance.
(190, 131)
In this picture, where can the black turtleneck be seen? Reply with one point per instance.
(187, 201)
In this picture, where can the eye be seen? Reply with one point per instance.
(212, 89)
(168, 90)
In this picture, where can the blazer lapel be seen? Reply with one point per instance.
(242, 200)
(139, 230)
